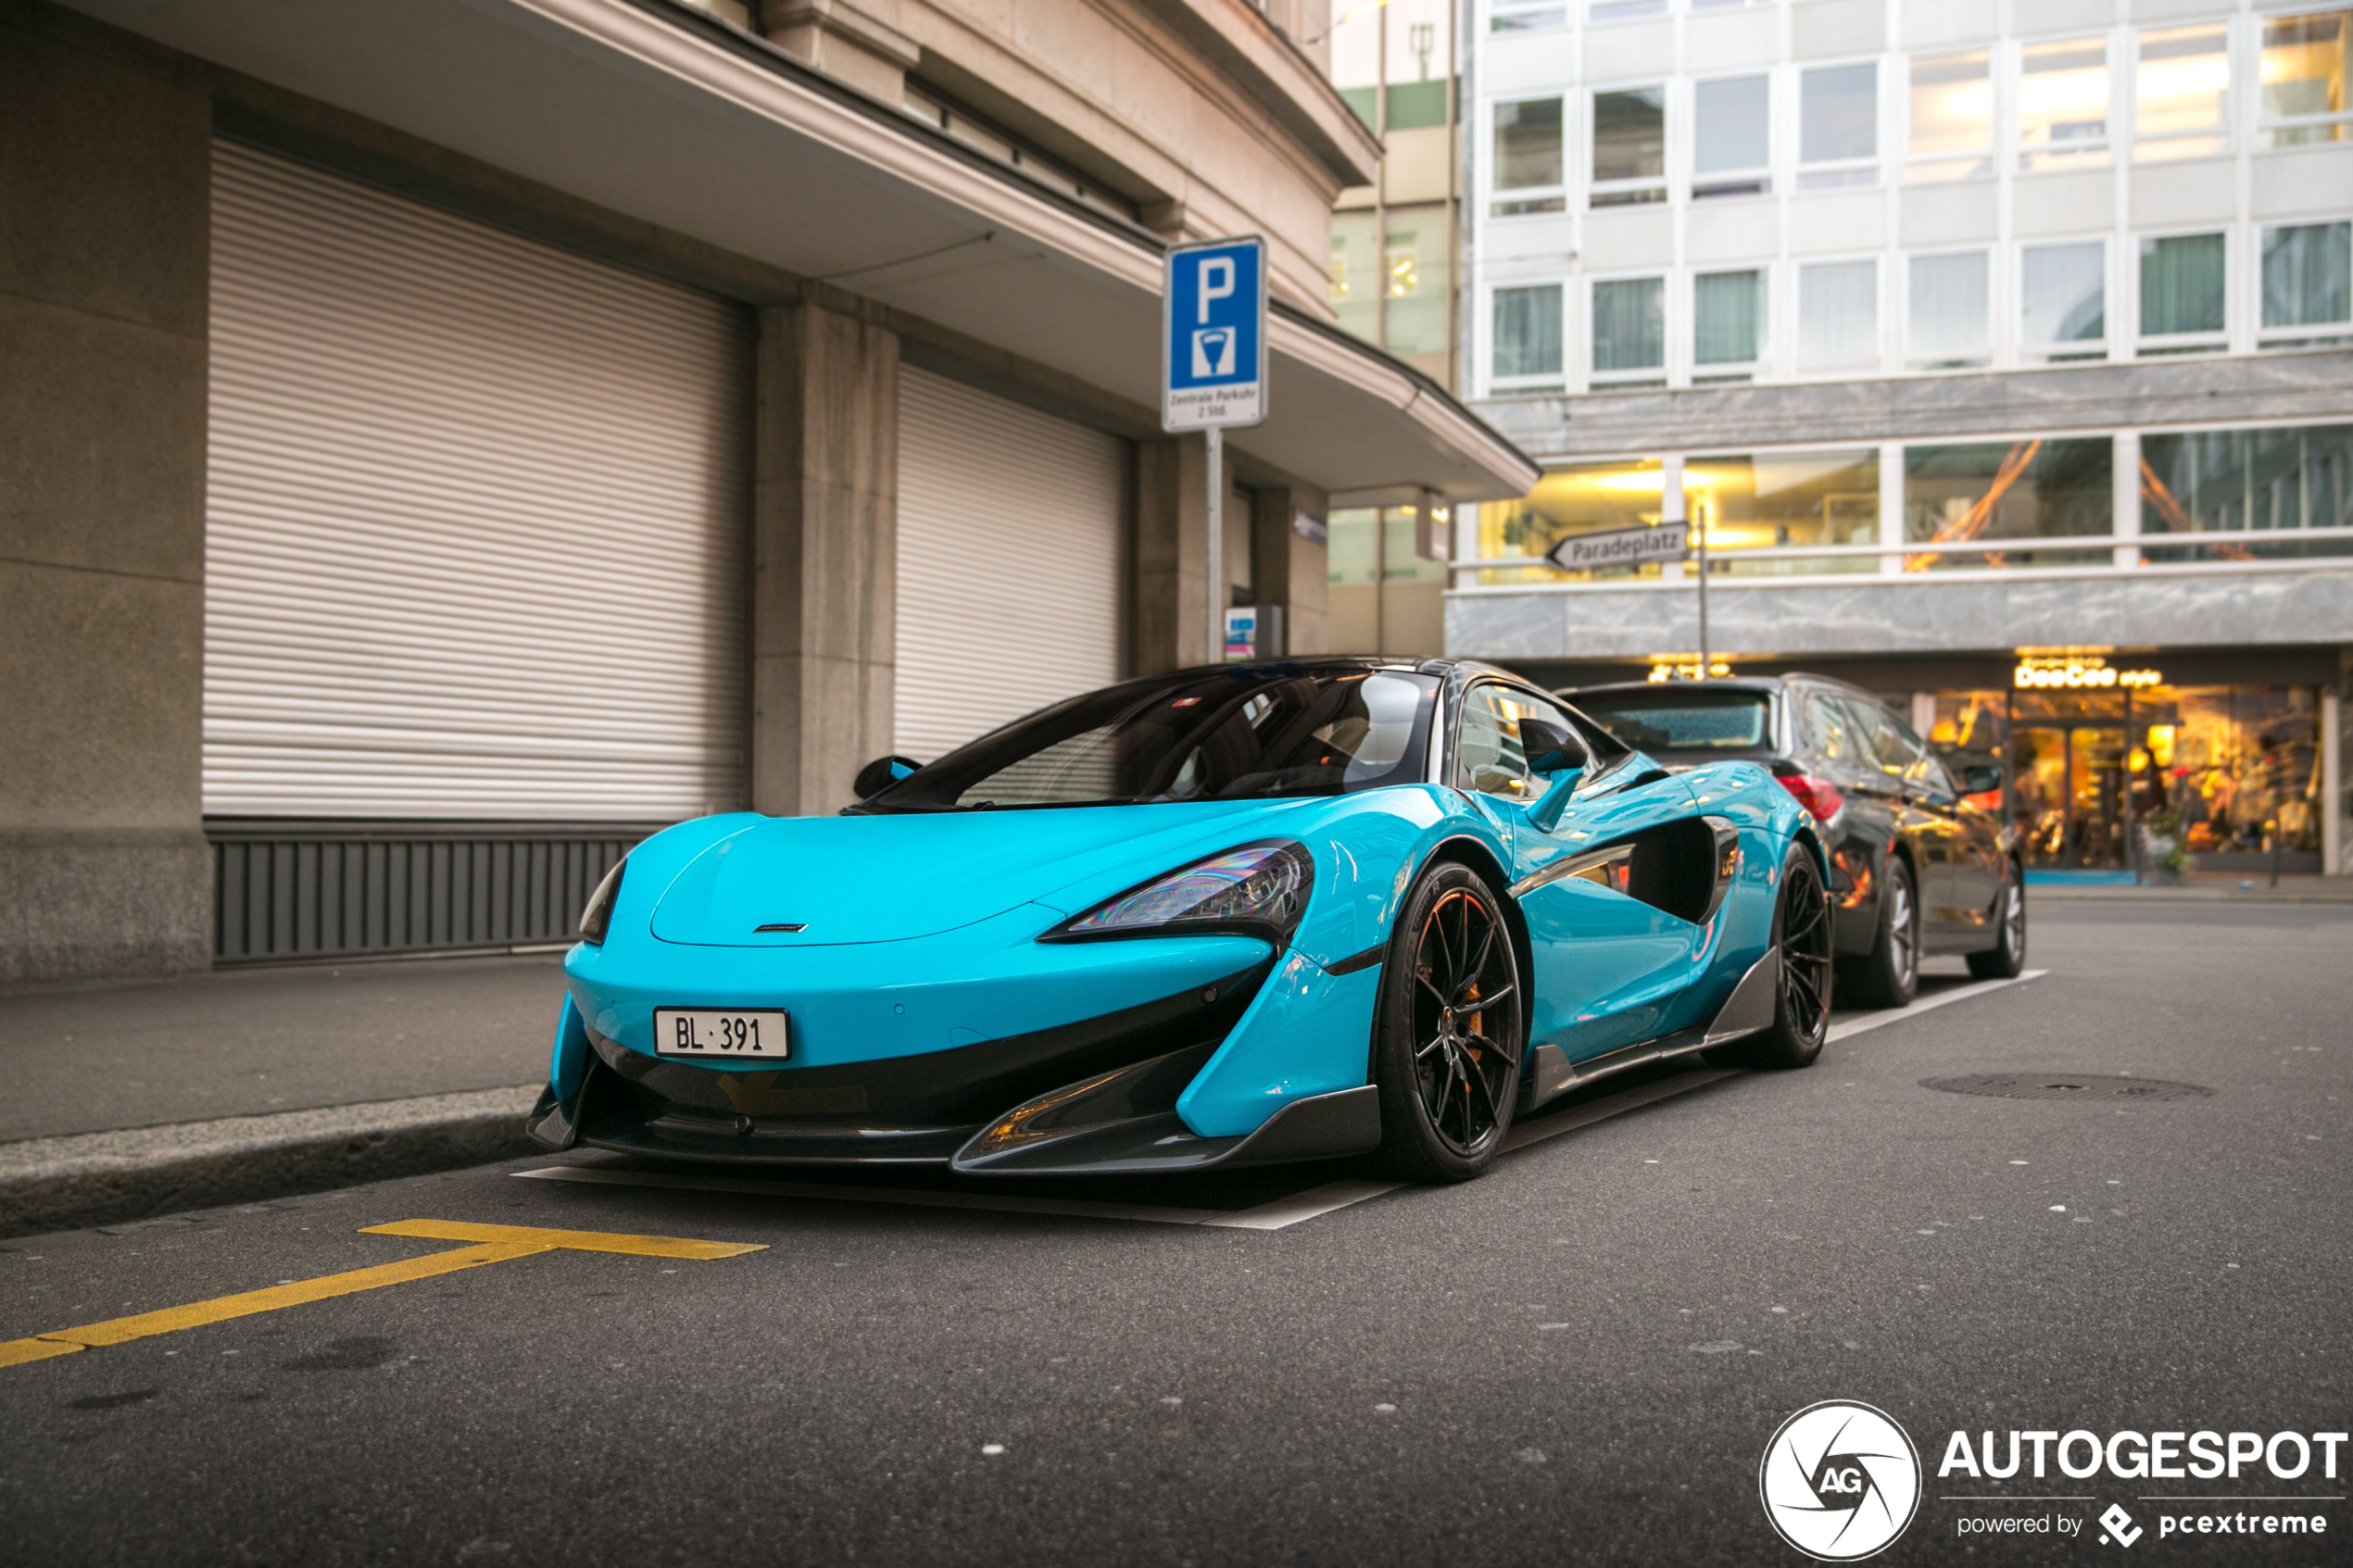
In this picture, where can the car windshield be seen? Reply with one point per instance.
(1682, 720)
(1252, 733)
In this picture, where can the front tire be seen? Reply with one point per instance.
(1449, 1035)
(1890, 975)
(2006, 958)
(1802, 1001)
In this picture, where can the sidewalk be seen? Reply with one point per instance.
(2199, 887)
(245, 1084)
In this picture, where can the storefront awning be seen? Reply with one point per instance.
(707, 133)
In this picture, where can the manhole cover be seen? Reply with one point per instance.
(2065, 1086)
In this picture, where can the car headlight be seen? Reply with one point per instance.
(597, 916)
(1255, 889)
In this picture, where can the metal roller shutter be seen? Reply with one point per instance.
(1011, 525)
(475, 520)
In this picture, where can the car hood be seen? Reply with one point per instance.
(890, 877)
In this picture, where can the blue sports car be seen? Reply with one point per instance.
(1284, 910)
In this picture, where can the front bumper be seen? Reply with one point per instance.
(904, 1109)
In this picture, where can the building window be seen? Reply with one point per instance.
(1727, 321)
(1732, 139)
(1522, 18)
(1952, 134)
(2304, 77)
(1528, 333)
(2064, 296)
(2062, 104)
(2181, 107)
(2021, 490)
(1950, 310)
(2308, 283)
(1838, 127)
(2202, 483)
(1838, 314)
(2183, 289)
(1630, 331)
(1623, 10)
(1528, 159)
(1784, 500)
(1583, 498)
(1415, 281)
(1629, 146)
(1355, 287)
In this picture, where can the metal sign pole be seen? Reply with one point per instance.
(1213, 586)
(1699, 534)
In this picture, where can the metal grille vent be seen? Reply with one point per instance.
(2065, 1086)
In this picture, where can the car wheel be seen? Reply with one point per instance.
(1448, 1039)
(1890, 974)
(2006, 958)
(1802, 1004)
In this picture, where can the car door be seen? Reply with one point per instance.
(1606, 962)
(1928, 816)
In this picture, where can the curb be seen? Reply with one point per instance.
(2048, 894)
(106, 1178)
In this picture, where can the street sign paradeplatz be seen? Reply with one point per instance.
(1622, 547)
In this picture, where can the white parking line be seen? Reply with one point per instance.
(1280, 1214)
(1863, 1021)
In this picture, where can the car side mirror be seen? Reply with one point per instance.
(1544, 811)
(1979, 779)
(880, 774)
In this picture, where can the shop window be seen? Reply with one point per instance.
(1417, 267)
(2062, 104)
(2207, 486)
(1838, 314)
(2308, 284)
(2182, 292)
(1630, 331)
(1838, 127)
(1785, 500)
(2026, 491)
(1528, 335)
(1583, 498)
(1629, 146)
(2181, 102)
(2232, 767)
(1952, 132)
(1728, 322)
(1731, 137)
(1949, 310)
(2063, 298)
(2303, 73)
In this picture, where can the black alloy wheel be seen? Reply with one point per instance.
(2006, 958)
(1802, 999)
(1449, 1038)
(1889, 976)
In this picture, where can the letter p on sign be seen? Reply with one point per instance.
(1216, 283)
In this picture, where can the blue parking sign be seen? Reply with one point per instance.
(1213, 337)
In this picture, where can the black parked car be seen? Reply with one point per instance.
(1915, 866)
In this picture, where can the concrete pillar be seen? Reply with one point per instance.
(825, 556)
(1171, 556)
(103, 277)
(1290, 566)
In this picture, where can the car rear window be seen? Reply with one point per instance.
(1683, 721)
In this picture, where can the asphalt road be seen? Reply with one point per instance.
(1581, 1357)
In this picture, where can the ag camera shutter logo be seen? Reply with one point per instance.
(1839, 1481)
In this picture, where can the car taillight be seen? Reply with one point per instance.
(1818, 795)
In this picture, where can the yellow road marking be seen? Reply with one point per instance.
(492, 1244)
(570, 1241)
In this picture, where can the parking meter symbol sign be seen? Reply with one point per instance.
(1213, 351)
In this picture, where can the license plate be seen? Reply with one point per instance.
(709, 1031)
